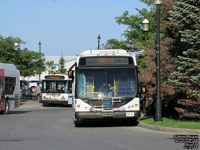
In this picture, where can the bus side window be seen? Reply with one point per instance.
(10, 83)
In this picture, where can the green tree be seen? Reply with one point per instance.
(186, 16)
(116, 44)
(62, 69)
(148, 2)
(134, 33)
(50, 67)
(28, 62)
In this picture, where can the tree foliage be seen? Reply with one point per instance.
(134, 33)
(186, 16)
(50, 67)
(28, 62)
(116, 44)
(62, 69)
(148, 2)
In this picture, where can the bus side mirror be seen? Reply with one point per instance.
(70, 74)
(143, 90)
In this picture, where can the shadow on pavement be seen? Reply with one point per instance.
(18, 112)
(108, 123)
(56, 105)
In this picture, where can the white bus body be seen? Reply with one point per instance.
(12, 84)
(105, 85)
(56, 89)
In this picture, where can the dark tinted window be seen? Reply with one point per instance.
(10, 83)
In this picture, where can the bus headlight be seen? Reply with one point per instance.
(100, 96)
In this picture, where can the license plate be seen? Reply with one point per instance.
(107, 114)
(129, 114)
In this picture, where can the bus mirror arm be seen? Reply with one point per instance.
(142, 92)
(143, 99)
(70, 71)
(143, 89)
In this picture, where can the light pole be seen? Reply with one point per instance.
(145, 25)
(16, 46)
(39, 52)
(158, 115)
(98, 40)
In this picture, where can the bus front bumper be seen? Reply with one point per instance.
(107, 114)
(54, 102)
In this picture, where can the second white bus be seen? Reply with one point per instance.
(56, 89)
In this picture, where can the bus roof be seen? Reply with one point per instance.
(9, 69)
(107, 52)
(120, 52)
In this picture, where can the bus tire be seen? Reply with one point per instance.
(45, 104)
(77, 123)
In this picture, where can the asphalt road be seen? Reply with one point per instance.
(51, 128)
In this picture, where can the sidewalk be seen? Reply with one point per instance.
(30, 105)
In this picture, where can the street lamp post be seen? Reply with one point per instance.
(39, 52)
(98, 40)
(158, 115)
(145, 25)
(16, 46)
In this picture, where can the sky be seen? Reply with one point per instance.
(64, 27)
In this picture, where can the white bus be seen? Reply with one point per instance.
(12, 85)
(56, 89)
(105, 84)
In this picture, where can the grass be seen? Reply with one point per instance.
(167, 122)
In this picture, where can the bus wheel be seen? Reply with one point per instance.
(45, 104)
(77, 123)
(6, 110)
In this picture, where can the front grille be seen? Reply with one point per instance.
(108, 103)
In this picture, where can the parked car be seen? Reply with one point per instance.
(32, 85)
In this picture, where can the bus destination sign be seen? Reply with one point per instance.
(55, 77)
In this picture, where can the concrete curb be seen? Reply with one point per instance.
(171, 130)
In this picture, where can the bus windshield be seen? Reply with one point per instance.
(49, 86)
(106, 83)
